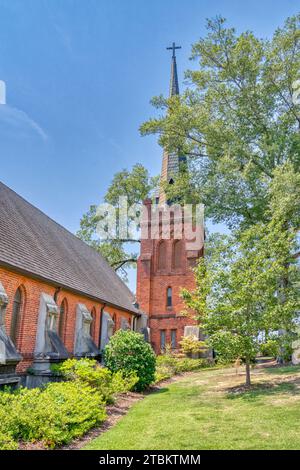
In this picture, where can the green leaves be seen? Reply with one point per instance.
(54, 415)
(248, 283)
(136, 185)
(236, 121)
(89, 372)
(169, 364)
(60, 412)
(128, 352)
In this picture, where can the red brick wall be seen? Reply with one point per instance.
(32, 290)
(152, 285)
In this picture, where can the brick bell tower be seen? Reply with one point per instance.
(167, 256)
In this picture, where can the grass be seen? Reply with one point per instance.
(211, 409)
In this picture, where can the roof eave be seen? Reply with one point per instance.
(62, 286)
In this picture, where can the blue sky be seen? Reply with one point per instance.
(79, 77)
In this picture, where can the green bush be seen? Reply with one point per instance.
(166, 362)
(103, 380)
(60, 411)
(189, 365)
(162, 373)
(128, 352)
(270, 348)
(53, 415)
(7, 442)
(191, 345)
(168, 365)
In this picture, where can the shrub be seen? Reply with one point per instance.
(165, 366)
(103, 380)
(188, 365)
(128, 352)
(169, 364)
(162, 373)
(167, 361)
(54, 415)
(270, 348)
(60, 411)
(191, 345)
(7, 442)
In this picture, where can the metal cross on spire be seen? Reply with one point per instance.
(173, 48)
(174, 86)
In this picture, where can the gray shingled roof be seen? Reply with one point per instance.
(33, 243)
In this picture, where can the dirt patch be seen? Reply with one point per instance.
(32, 446)
(263, 382)
(240, 389)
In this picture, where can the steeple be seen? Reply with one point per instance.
(174, 87)
(171, 162)
(165, 259)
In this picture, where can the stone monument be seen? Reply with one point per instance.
(124, 324)
(195, 331)
(296, 349)
(107, 329)
(49, 348)
(142, 326)
(84, 344)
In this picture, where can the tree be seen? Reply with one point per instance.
(136, 185)
(240, 292)
(238, 125)
(236, 122)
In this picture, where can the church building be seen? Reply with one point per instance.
(166, 261)
(58, 297)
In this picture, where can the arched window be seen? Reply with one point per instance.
(162, 340)
(16, 316)
(169, 297)
(93, 323)
(114, 317)
(62, 319)
(162, 256)
(177, 254)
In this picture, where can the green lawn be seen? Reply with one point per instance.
(209, 410)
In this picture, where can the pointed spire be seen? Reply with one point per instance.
(171, 161)
(174, 86)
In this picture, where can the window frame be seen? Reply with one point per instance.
(174, 344)
(163, 334)
(63, 309)
(16, 316)
(169, 297)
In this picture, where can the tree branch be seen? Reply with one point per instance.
(120, 264)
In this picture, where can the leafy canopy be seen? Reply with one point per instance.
(236, 122)
(240, 289)
(135, 185)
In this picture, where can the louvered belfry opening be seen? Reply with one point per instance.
(162, 256)
(177, 254)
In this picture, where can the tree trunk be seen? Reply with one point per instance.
(281, 359)
(248, 377)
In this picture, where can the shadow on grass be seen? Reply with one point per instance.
(290, 369)
(156, 389)
(264, 389)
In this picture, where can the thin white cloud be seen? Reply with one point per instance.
(2, 92)
(18, 119)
